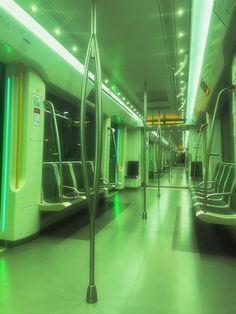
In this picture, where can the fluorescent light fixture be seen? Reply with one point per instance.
(201, 11)
(74, 48)
(14, 10)
(181, 51)
(5, 158)
(106, 81)
(181, 34)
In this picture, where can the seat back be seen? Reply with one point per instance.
(78, 172)
(50, 183)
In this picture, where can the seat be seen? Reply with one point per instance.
(52, 198)
(218, 197)
(219, 211)
(217, 185)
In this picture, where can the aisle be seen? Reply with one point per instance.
(177, 178)
(162, 265)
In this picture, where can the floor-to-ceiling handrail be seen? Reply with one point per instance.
(58, 144)
(170, 158)
(92, 52)
(159, 157)
(226, 89)
(145, 152)
(203, 126)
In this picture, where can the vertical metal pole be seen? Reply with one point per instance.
(159, 158)
(170, 155)
(92, 52)
(144, 216)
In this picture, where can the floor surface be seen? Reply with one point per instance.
(170, 263)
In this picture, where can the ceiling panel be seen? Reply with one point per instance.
(139, 41)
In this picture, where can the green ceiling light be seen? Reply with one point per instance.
(181, 51)
(180, 12)
(113, 88)
(181, 34)
(27, 21)
(34, 8)
(123, 98)
(57, 31)
(128, 102)
(182, 81)
(5, 157)
(74, 48)
(182, 73)
(106, 81)
(38, 31)
(118, 93)
(201, 11)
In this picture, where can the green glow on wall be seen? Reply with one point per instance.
(117, 205)
(201, 11)
(5, 158)
(117, 155)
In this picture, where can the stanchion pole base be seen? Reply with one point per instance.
(144, 215)
(91, 295)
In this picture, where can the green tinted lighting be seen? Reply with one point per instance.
(5, 158)
(113, 88)
(34, 8)
(180, 12)
(181, 34)
(57, 31)
(106, 81)
(74, 48)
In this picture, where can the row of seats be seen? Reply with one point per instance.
(73, 187)
(215, 206)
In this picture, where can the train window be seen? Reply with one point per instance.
(68, 117)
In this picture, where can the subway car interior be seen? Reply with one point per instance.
(117, 156)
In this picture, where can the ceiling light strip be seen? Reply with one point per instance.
(13, 9)
(200, 22)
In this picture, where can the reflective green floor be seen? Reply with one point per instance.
(175, 177)
(167, 264)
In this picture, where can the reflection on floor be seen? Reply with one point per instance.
(176, 177)
(167, 264)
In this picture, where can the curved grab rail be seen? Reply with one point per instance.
(52, 110)
(203, 126)
(230, 88)
(92, 53)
